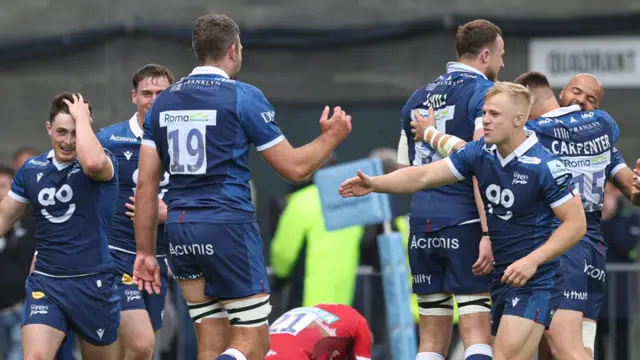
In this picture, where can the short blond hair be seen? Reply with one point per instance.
(517, 92)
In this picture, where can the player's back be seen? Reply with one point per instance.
(321, 332)
(585, 141)
(123, 140)
(204, 125)
(457, 99)
(73, 215)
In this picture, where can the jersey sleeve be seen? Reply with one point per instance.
(258, 118)
(556, 182)
(476, 102)
(363, 340)
(462, 161)
(18, 190)
(147, 129)
(114, 164)
(617, 163)
(100, 137)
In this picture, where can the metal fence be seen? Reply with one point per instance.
(620, 279)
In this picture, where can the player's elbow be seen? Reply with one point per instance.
(97, 165)
(578, 223)
(294, 173)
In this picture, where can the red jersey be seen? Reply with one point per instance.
(322, 332)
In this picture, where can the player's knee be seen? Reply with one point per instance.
(435, 305)
(589, 329)
(473, 304)
(140, 349)
(251, 312)
(206, 310)
(34, 356)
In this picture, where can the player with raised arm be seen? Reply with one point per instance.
(321, 332)
(200, 130)
(141, 312)
(524, 188)
(449, 247)
(71, 190)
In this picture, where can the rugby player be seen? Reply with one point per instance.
(449, 247)
(141, 312)
(585, 140)
(71, 190)
(200, 130)
(321, 332)
(524, 188)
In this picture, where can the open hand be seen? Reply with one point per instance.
(360, 185)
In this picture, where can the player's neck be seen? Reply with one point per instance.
(474, 63)
(228, 69)
(543, 107)
(140, 118)
(505, 149)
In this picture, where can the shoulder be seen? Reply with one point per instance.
(104, 135)
(600, 114)
(482, 85)
(37, 162)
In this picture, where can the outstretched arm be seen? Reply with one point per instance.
(402, 181)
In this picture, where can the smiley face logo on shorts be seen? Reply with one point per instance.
(37, 295)
(126, 279)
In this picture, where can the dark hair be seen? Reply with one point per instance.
(152, 71)
(58, 106)
(475, 35)
(533, 80)
(24, 150)
(212, 36)
(5, 170)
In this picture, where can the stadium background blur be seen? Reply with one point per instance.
(366, 55)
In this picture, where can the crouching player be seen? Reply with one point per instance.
(321, 332)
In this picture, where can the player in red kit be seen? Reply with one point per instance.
(321, 332)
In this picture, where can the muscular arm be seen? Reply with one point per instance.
(572, 228)
(476, 190)
(624, 180)
(11, 211)
(150, 174)
(414, 178)
(295, 164)
(95, 163)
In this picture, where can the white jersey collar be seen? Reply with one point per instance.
(561, 111)
(531, 140)
(209, 70)
(135, 126)
(455, 66)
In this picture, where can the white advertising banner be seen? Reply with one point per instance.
(614, 60)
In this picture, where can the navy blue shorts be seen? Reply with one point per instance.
(228, 256)
(536, 301)
(130, 297)
(87, 305)
(441, 261)
(584, 286)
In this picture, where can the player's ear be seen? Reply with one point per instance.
(520, 120)
(485, 54)
(233, 51)
(133, 97)
(47, 124)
